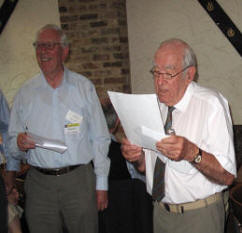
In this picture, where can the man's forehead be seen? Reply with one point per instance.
(167, 62)
(49, 35)
(160, 66)
(168, 58)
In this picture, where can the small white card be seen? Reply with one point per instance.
(73, 117)
(150, 137)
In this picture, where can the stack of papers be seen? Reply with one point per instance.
(140, 117)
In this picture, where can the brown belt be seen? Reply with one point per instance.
(181, 208)
(56, 171)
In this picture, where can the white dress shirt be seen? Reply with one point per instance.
(202, 116)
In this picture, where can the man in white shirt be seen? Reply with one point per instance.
(198, 156)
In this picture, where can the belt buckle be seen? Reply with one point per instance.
(179, 209)
(57, 172)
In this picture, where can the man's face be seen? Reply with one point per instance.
(170, 60)
(50, 58)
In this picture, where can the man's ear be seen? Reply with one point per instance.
(191, 72)
(65, 53)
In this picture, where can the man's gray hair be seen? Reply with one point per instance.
(63, 38)
(189, 58)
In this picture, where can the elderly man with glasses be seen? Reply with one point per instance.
(196, 163)
(62, 189)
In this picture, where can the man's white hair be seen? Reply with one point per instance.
(63, 38)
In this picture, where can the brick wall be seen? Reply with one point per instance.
(97, 32)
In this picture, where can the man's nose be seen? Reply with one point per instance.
(160, 80)
(44, 49)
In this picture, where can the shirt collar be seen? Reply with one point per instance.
(183, 103)
(64, 81)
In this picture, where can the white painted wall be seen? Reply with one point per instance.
(220, 66)
(17, 56)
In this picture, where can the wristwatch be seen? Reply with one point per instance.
(198, 158)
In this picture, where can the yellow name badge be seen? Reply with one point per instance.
(72, 128)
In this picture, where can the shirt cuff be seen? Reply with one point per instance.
(102, 183)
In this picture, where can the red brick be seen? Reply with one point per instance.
(97, 32)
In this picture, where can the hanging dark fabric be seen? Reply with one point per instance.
(225, 24)
(6, 11)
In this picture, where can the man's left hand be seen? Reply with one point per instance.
(11, 190)
(102, 199)
(177, 148)
(10, 180)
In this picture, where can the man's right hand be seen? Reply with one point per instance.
(24, 142)
(133, 154)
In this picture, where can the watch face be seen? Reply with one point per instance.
(198, 159)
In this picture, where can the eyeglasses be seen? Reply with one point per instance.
(45, 45)
(165, 76)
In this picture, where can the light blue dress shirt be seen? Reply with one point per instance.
(12, 164)
(134, 173)
(42, 110)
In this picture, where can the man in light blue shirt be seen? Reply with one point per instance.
(61, 105)
(12, 165)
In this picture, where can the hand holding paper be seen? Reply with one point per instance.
(25, 142)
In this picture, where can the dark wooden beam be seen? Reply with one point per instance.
(6, 11)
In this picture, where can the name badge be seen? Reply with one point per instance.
(72, 128)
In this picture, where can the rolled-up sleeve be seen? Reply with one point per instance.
(220, 143)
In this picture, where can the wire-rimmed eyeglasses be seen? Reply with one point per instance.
(167, 76)
(45, 45)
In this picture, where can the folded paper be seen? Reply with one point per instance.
(49, 144)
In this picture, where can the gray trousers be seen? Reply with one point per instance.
(209, 219)
(55, 201)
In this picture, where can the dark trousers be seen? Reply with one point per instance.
(143, 208)
(3, 208)
(130, 208)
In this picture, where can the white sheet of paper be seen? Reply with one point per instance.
(49, 144)
(140, 117)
